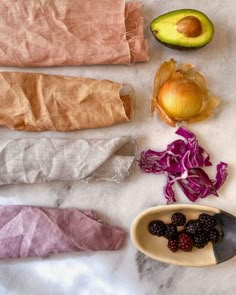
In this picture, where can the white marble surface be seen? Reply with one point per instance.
(128, 272)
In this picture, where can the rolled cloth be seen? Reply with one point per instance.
(71, 32)
(27, 231)
(49, 159)
(38, 102)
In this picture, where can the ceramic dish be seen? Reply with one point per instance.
(156, 247)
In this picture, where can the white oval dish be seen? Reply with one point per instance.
(156, 247)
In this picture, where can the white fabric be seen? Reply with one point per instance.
(51, 159)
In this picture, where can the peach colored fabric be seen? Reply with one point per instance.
(27, 231)
(71, 32)
(38, 102)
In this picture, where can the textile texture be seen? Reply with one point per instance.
(38, 102)
(49, 159)
(71, 32)
(27, 231)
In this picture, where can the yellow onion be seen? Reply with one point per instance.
(180, 94)
(180, 98)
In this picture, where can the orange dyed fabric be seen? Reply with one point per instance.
(39, 102)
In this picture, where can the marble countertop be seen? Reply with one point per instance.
(129, 272)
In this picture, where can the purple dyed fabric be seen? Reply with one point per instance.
(27, 231)
(182, 162)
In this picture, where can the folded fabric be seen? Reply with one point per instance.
(27, 231)
(37, 102)
(39, 160)
(71, 32)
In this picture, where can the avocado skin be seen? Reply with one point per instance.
(178, 47)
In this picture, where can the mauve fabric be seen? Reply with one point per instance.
(71, 32)
(39, 102)
(40, 160)
(27, 231)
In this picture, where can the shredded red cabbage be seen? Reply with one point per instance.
(181, 162)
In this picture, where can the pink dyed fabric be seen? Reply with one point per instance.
(27, 231)
(71, 32)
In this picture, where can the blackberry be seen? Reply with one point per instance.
(157, 227)
(185, 242)
(208, 222)
(200, 240)
(192, 227)
(171, 231)
(173, 245)
(214, 235)
(178, 219)
(181, 232)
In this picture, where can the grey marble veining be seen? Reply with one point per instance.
(128, 272)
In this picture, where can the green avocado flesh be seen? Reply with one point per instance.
(165, 29)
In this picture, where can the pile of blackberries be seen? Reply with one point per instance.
(196, 232)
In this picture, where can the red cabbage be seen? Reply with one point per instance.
(182, 162)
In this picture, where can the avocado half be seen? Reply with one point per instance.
(183, 29)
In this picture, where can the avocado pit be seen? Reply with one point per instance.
(190, 26)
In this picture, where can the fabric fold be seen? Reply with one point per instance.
(71, 32)
(39, 102)
(27, 231)
(39, 160)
